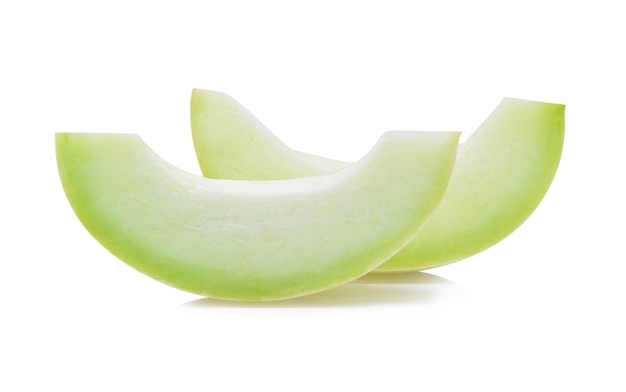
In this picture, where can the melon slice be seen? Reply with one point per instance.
(253, 240)
(502, 172)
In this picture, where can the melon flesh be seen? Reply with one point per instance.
(253, 240)
(502, 172)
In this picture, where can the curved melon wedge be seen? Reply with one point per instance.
(253, 240)
(231, 143)
(502, 171)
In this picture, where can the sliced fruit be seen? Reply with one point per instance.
(253, 240)
(502, 171)
(231, 143)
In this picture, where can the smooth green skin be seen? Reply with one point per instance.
(253, 240)
(502, 171)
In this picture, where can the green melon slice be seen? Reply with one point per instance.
(253, 240)
(502, 171)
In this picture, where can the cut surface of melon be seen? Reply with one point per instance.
(502, 171)
(253, 240)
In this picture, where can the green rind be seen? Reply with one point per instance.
(253, 240)
(502, 172)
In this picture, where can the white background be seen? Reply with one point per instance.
(542, 311)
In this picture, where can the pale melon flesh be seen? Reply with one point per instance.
(253, 240)
(502, 172)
